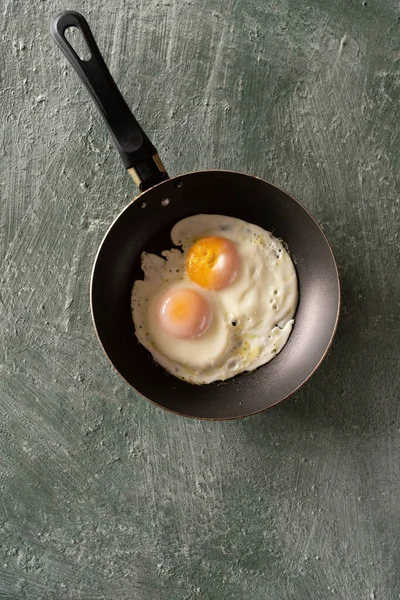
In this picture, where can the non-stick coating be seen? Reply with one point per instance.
(145, 225)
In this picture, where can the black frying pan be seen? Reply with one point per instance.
(145, 224)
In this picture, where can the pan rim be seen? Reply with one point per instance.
(245, 415)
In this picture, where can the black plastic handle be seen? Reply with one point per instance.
(137, 152)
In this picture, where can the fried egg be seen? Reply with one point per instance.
(222, 304)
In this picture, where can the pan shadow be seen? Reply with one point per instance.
(350, 391)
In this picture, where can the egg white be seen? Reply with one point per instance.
(252, 317)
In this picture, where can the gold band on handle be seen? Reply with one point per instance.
(159, 163)
(135, 175)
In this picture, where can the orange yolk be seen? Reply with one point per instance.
(212, 262)
(184, 313)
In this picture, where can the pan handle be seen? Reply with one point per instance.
(137, 152)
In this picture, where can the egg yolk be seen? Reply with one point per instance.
(212, 262)
(184, 313)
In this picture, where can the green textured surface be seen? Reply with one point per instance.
(104, 496)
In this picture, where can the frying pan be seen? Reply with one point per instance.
(145, 224)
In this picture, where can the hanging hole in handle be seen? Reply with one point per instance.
(78, 42)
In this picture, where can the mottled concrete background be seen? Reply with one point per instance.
(103, 496)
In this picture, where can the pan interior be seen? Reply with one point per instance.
(146, 224)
